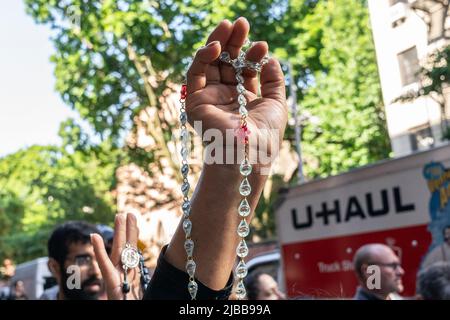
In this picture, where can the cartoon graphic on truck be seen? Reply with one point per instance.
(438, 181)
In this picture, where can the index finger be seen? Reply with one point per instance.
(120, 237)
(132, 230)
(106, 267)
(204, 67)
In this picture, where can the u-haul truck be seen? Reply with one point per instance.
(403, 203)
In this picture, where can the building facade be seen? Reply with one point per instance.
(405, 33)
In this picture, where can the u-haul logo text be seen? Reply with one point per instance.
(351, 208)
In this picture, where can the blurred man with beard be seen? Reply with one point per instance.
(72, 262)
(378, 260)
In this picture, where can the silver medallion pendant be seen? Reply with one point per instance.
(129, 257)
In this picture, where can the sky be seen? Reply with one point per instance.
(30, 108)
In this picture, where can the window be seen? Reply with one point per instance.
(421, 138)
(409, 66)
(398, 12)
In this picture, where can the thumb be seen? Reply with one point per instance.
(110, 276)
(196, 75)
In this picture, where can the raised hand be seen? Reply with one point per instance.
(211, 86)
(212, 99)
(125, 232)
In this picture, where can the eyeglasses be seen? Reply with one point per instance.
(393, 265)
(83, 260)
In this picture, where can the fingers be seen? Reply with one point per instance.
(221, 33)
(241, 27)
(106, 267)
(120, 237)
(272, 82)
(200, 73)
(197, 73)
(132, 238)
(255, 54)
(132, 230)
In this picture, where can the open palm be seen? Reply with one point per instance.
(211, 85)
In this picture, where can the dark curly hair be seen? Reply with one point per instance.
(434, 282)
(252, 285)
(66, 234)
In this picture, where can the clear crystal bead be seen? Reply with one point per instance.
(244, 188)
(183, 118)
(254, 66)
(244, 208)
(242, 249)
(184, 169)
(185, 188)
(241, 270)
(243, 229)
(224, 56)
(192, 288)
(187, 227)
(241, 100)
(189, 247)
(243, 111)
(184, 136)
(184, 153)
(240, 88)
(240, 290)
(190, 268)
(245, 168)
(238, 63)
(186, 207)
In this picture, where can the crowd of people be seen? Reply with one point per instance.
(70, 244)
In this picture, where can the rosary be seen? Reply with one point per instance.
(130, 259)
(243, 229)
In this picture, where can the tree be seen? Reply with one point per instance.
(434, 77)
(347, 125)
(117, 62)
(42, 186)
(330, 46)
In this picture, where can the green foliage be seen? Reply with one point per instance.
(25, 246)
(99, 50)
(344, 96)
(11, 212)
(435, 78)
(436, 74)
(42, 186)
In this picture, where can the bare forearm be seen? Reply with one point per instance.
(215, 219)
